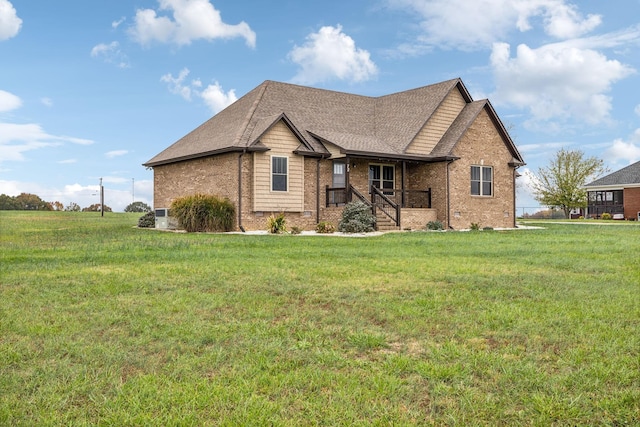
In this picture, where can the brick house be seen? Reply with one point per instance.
(430, 153)
(617, 194)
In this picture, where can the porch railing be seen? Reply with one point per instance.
(404, 198)
(359, 195)
(410, 198)
(339, 196)
(381, 201)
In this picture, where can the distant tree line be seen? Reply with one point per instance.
(24, 202)
(545, 214)
(32, 202)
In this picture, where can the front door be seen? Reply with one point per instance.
(338, 196)
(339, 174)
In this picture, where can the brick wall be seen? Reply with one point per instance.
(211, 175)
(416, 218)
(481, 145)
(631, 198)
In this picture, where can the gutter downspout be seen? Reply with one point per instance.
(515, 176)
(448, 197)
(240, 190)
(318, 191)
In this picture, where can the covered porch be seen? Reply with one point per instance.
(393, 209)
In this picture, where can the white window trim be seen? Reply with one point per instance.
(482, 182)
(381, 165)
(271, 173)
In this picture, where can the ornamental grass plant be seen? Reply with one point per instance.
(202, 212)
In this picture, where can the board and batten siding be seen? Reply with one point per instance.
(437, 124)
(282, 142)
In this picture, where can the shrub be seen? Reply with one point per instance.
(138, 207)
(356, 218)
(325, 227)
(435, 225)
(487, 228)
(202, 212)
(96, 208)
(475, 226)
(296, 230)
(147, 220)
(277, 224)
(605, 215)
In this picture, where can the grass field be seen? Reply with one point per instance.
(102, 323)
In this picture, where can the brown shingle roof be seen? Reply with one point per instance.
(357, 124)
(625, 176)
(460, 125)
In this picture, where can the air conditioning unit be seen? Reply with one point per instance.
(162, 218)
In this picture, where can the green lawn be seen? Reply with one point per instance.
(102, 323)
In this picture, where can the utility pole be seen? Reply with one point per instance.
(101, 198)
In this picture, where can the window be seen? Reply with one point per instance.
(279, 173)
(383, 177)
(481, 180)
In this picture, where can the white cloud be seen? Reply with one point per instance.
(469, 25)
(115, 153)
(213, 95)
(190, 20)
(624, 152)
(552, 84)
(545, 148)
(564, 21)
(111, 54)
(9, 22)
(68, 161)
(116, 24)
(9, 101)
(79, 141)
(47, 102)
(331, 54)
(176, 84)
(14, 152)
(525, 198)
(16, 139)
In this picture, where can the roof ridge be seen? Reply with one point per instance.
(443, 83)
(250, 113)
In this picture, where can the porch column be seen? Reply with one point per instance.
(404, 174)
(346, 178)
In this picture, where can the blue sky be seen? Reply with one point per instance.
(93, 89)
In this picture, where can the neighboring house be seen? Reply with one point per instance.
(617, 194)
(421, 155)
